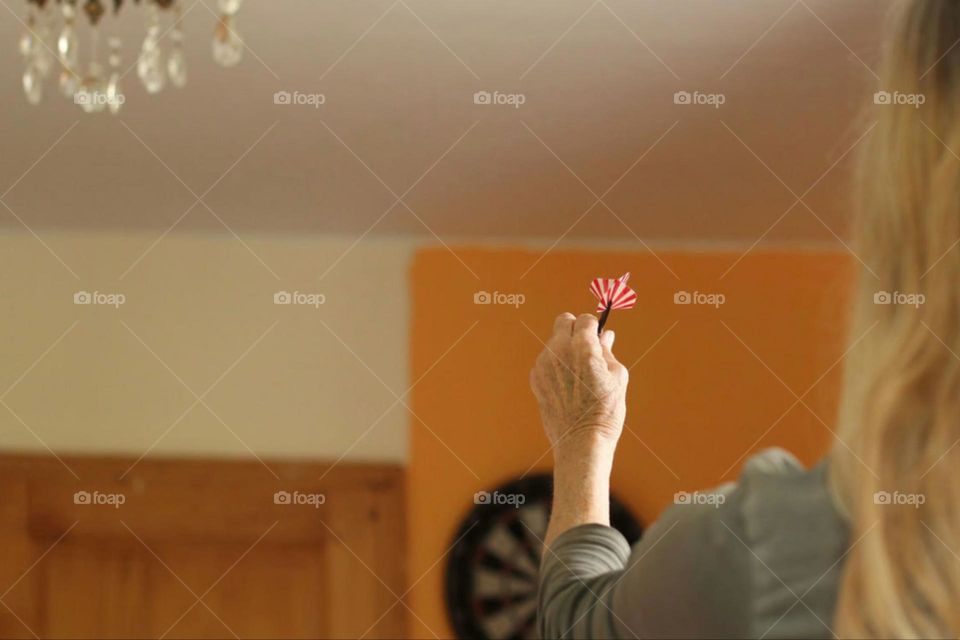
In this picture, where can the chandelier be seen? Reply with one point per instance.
(51, 46)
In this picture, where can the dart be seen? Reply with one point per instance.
(612, 294)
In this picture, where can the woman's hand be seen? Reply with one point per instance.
(581, 389)
(579, 385)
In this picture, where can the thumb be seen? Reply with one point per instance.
(606, 343)
(606, 340)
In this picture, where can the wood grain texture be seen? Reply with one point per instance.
(200, 549)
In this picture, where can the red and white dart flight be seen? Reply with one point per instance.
(612, 294)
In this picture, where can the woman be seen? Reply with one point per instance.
(864, 544)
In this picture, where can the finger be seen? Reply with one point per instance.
(584, 340)
(586, 323)
(563, 325)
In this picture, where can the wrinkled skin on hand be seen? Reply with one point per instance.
(579, 384)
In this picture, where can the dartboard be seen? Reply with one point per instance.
(491, 579)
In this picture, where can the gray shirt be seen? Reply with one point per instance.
(760, 559)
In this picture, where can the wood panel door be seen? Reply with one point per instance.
(199, 549)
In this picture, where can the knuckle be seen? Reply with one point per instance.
(585, 343)
(581, 338)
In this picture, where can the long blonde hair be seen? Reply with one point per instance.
(896, 465)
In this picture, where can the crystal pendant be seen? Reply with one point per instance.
(227, 46)
(67, 46)
(177, 62)
(177, 67)
(98, 91)
(150, 68)
(83, 97)
(92, 94)
(69, 82)
(229, 7)
(115, 97)
(26, 43)
(67, 42)
(114, 57)
(41, 53)
(150, 65)
(33, 83)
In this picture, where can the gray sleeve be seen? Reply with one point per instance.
(687, 577)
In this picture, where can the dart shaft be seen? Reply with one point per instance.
(603, 319)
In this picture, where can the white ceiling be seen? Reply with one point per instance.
(398, 79)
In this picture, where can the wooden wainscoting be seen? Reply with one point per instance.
(199, 549)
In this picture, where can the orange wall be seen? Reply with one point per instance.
(698, 400)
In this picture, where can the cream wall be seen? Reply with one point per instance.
(284, 380)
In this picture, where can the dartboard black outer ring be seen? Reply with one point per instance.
(458, 584)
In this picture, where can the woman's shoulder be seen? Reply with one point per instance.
(778, 512)
(774, 484)
(740, 555)
(779, 501)
(773, 462)
(796, 537)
